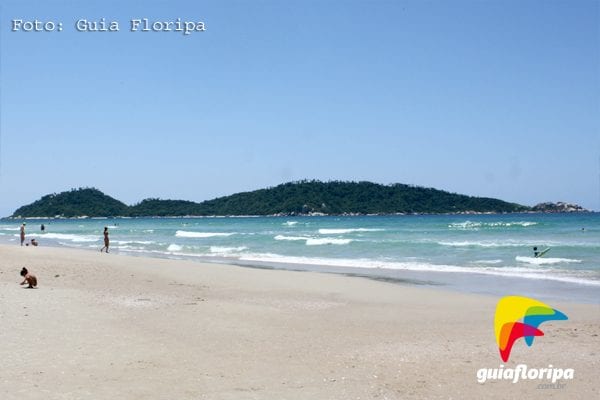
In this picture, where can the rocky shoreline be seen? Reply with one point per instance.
(559, 207)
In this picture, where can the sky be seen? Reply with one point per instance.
(485, 98)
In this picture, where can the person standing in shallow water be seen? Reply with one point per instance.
(22, 233)
(106, 240)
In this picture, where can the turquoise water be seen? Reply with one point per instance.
(493, 246)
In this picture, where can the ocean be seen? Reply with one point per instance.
(490, 254)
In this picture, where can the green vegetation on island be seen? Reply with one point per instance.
(74, 203)
(335, 198)
(293, 198)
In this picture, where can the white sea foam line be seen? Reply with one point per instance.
(476, 225)
(290, 223)
(482, 244)
(174, 247)
(64, 236)
(201, 234)
(486, 262)
(467, 243)
(290, 238)
(133, 241)
(222, 249)
(323, 241)
(509, 243)
(412, 266)
(184, 254)
(366, 263)
(9, 229)
(127, 247)
(348, 230)
(546, 260)
(309, 241)
(74, 245)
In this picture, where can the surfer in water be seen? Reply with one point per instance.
(538, 254)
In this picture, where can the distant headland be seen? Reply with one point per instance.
(293, 198)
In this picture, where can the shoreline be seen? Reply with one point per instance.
(113, 326)
(456, 282)
(463, 281)
(11, 218)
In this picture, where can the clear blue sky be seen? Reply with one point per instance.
(486, 98)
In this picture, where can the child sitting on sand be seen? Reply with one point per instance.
(29, 278)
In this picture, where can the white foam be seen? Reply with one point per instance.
(174, 247)
(322, 241)
(201, 234)
(128, 247)
(290, 238)
(290, 223)
(227, 250)
(310, 241)
(348, 230)
(65, 236)
(546, 261)
(491, 262)
(79, 246)
(467, 243)
(420, 266)
(133, 241)
(470, 225)
(465, 225)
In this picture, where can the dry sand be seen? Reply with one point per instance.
(104, 326)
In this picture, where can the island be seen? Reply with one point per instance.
(308, 197)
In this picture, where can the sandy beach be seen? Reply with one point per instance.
(105, 326)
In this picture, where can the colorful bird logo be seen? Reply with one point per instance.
(519, 317)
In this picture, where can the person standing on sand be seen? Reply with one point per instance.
(22, 233)
(106, 241)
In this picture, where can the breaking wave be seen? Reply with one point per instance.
(470, 225)
(347, 230)
(546, 261)
(188, 234)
